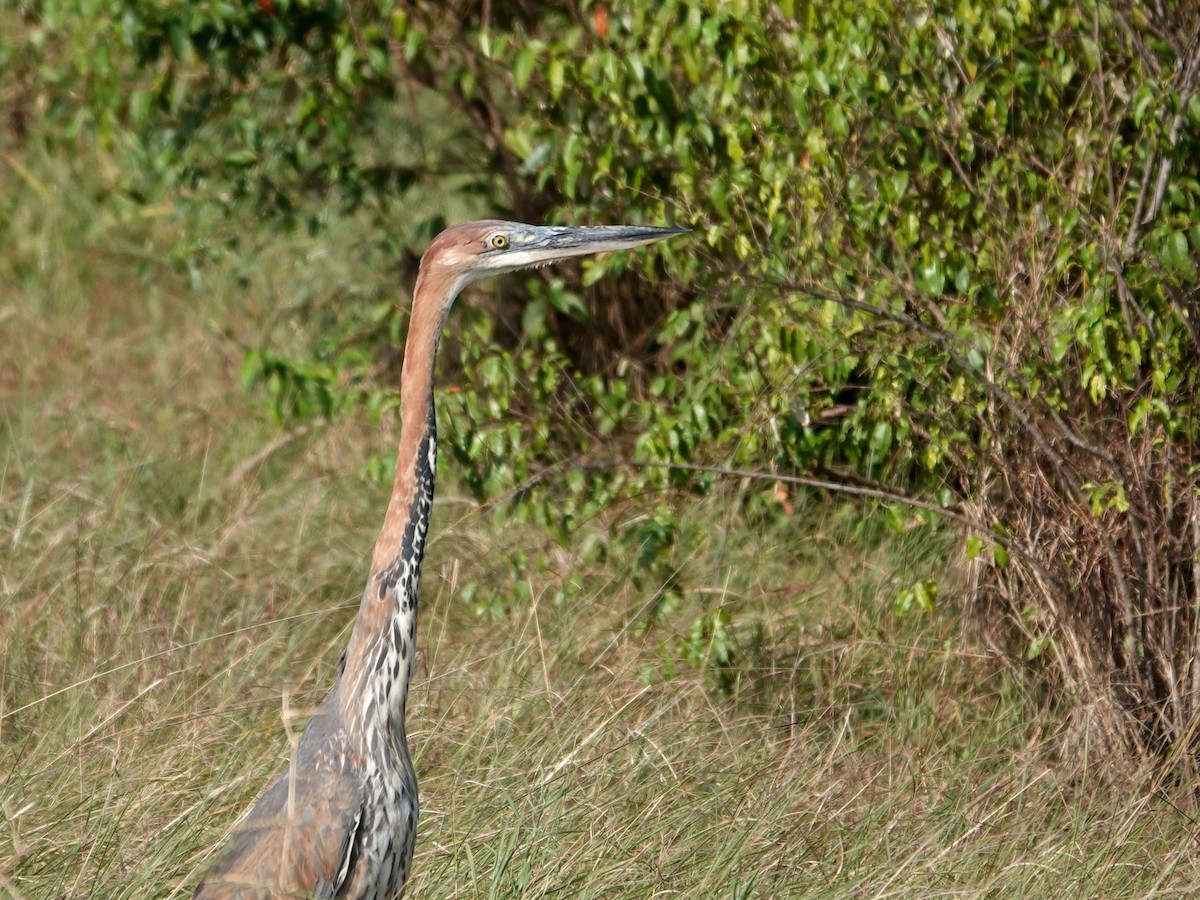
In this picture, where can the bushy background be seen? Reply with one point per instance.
(941, 252)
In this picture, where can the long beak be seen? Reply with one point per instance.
(566, 242)
(537, 245)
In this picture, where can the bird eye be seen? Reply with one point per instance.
(498, 241)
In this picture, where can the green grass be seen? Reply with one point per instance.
(170, 595)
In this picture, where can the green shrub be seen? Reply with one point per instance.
(945, 250)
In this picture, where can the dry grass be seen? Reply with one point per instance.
(155, 621)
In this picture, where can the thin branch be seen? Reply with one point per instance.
(947, 513)
(1188, 83)
(255, 462)
(945, 339)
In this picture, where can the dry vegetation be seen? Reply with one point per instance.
(167, 612)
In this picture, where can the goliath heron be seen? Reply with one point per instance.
(341, 821)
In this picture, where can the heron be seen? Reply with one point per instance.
(341, 821)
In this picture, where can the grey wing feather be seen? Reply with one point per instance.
(298, 838)
(347, 853)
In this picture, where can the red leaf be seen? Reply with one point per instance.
(600, 17)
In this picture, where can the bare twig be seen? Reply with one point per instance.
(950, 342)
(255, 462)
(1188, 81)
(948, 513)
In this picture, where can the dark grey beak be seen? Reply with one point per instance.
(600, 238)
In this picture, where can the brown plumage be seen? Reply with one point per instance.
(342, 820)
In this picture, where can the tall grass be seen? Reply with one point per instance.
(168, 612)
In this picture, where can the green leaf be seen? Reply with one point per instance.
(1036, 648)
(522, 67)
(922, 596)
(400, 23)
(881, 438)
(556, 74)
(346, 59)
(570, 304)
(1177, 259)
(533, 320)
(931, 278)
(925, 594)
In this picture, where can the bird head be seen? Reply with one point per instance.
(474, 250)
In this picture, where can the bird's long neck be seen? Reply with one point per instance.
(379, 658)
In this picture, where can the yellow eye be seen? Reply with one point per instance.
(498, 241)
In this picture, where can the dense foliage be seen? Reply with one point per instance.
(942, 250)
